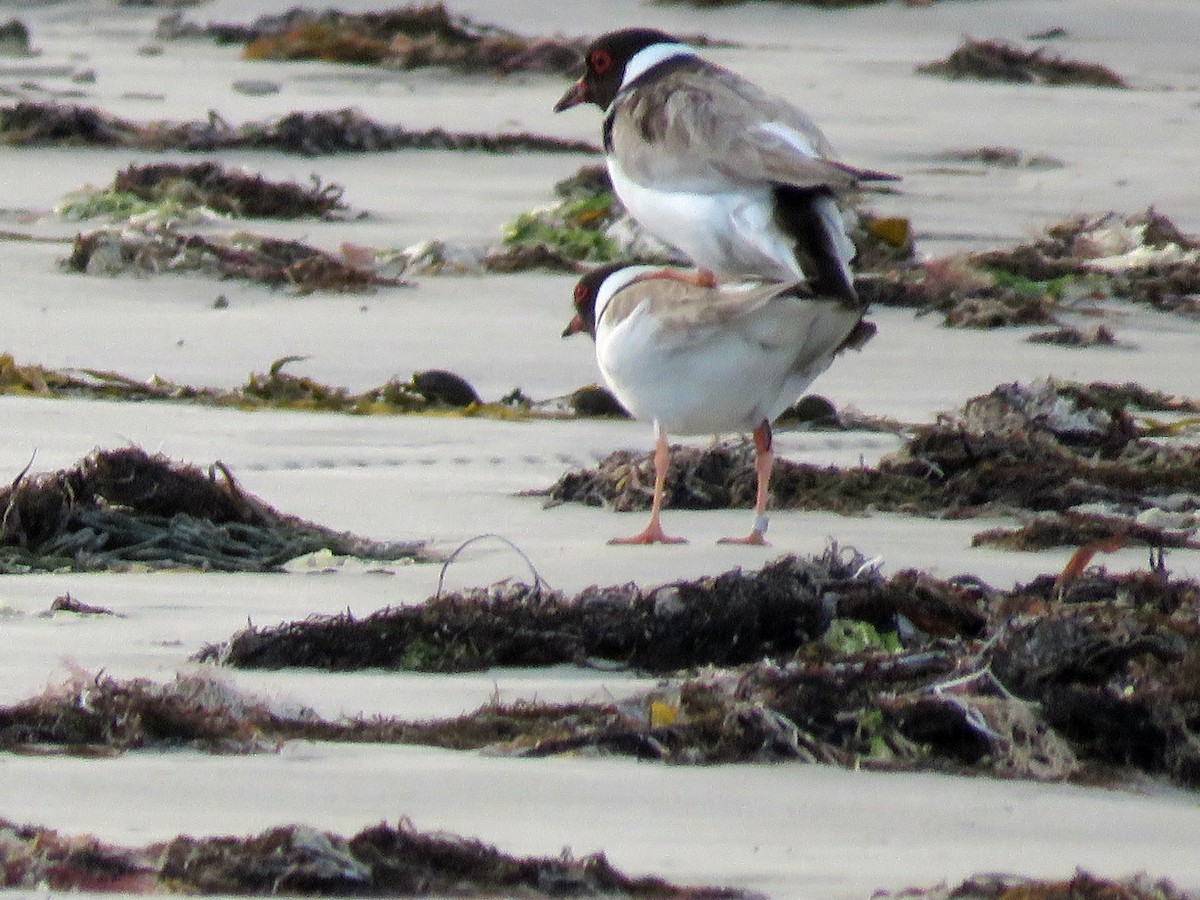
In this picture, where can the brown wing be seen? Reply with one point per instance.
(703, 128)
(688, 315)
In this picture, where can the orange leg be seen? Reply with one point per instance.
(763, 463)
(695, 277)
(653, 533)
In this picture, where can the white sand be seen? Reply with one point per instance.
(790, 831)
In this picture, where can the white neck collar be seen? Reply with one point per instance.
(617, 281)
(651, 56)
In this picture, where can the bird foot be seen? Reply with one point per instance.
(754, 539)
(652, 534)
(757, 537)
(696, 277)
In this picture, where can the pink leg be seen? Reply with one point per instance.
(653, 533)
(763, 462)
(695, 277)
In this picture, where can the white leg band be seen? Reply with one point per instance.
(760, 523)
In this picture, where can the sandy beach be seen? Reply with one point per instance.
(785, 830)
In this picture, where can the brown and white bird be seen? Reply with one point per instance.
(741, 181)
(704, 360)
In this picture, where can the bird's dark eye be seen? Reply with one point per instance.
(580, 294)
(600, 61)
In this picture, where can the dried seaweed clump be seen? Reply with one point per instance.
(211, 186)
(88, 713)
(1047, 447)
(1143, 258)
(102, 712)
(406, 37)
(1000, 157)
(14, 38)
(33, 124)
(1113, 667)
(999, 61)
(1089, 677)
(151, 249)
(1085, 676)
(731, 619)
(1091, 680)
(1080, 886)
(308, 133)
(432, 390)
(823, 4)
(117, 509)
(379, 861)
(586, 223)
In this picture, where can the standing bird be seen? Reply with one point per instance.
(739, 180)
(703, 360)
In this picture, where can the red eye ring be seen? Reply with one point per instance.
(580, 293)
(600, 61)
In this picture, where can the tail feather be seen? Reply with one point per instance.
(823, 249)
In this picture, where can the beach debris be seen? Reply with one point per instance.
(571, 228)
(438, 386)
(151, 248)
(86, 713)
(1070, 336)
(882, 243)
(824, 4)
(159, 4)
(67, 603)
(722, 621)
(403, 37)
(815, 659)
(586, 223)
(14, 38)
(433, 391)
(1095, 677)
(177, 187)
(1001, 158)
(989, 60)
(814, 411)
(1054, 33)
(89, 713)
(125, 509)
(966, 293)
(596, 401)
(1080, 886)
(256, 87)
(1058, 449)
(389, 40)
(1112, 667)
(380, 861)
(1141, 258)
(29, 123)
(534, 256)
(1072, 528)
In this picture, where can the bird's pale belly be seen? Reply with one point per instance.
(732, 234)
(702, 393)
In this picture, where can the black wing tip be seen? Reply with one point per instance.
(864, 174)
